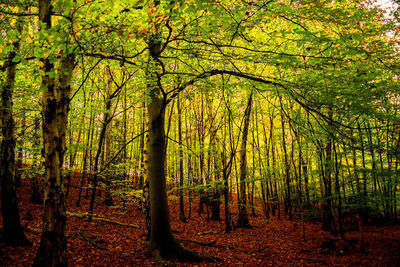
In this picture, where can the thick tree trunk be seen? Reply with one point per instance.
(55, 106)
(53, 244)
(243, 220)
(162, 243)
(13, 233)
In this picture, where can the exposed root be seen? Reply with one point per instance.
(175, 251)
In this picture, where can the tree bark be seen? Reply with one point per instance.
(13, 233)
(162, 243)
(55, 106)
(35, 198)
(243, 220)
(288, 200)
(328, 223)
(182, 216)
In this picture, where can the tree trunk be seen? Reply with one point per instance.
(55, 106)
(96, 161)
(162, 243)
(181, 203)
(35, 198)
(328, 223)
(243, 220)
(13, 233)
(20, 154)
(288, 200)
(339, 197)
(85, 154)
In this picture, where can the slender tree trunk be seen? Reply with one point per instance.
(243, 220)
(141, 147)
(339, 197)
(20, 154)
(288, 202)
(103, 130)
(35, 198)
(365, 195)
(264, 177)
(85, 155)
(182, 216)
(328, 223)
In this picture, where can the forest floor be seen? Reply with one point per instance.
(276, 242)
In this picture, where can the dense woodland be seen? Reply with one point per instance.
(231, 114)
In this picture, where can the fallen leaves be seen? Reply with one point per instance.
(114, 238)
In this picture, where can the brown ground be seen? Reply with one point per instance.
(273, 243)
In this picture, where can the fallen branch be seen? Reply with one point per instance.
(213, 244)
(127, 236)
(258, 250)
(85, 216)
(314, 260)
(207, 233)
(90, 241)
(206, 244)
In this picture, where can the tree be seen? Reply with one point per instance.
(56, 89)
(13, 232)
(243, 220)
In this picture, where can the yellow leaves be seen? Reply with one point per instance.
(77, 28)
(46, 55)
(13, 21)
(336, 46)
(41, 64)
